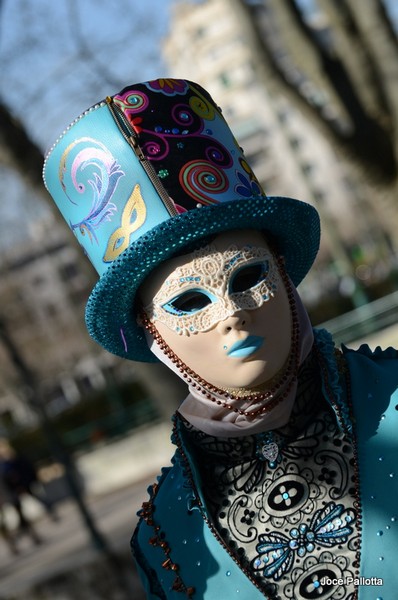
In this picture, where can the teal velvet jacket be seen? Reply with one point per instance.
(178, 550)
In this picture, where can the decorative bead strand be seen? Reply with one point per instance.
(159, 540)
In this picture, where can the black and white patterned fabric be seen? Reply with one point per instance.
(284, 502)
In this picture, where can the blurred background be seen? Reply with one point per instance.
(310, 89)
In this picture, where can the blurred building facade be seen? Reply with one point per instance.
(211, 42)
(43, 291)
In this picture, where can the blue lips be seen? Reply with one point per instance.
(246, 347)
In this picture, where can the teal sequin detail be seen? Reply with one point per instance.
(331, 385)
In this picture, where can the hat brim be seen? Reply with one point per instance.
(110, 317)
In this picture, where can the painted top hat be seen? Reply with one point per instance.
(142, 175)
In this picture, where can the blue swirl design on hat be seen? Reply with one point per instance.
(94, 166)
(248, 185)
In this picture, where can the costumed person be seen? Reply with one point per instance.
(20, 477)
(283, 481)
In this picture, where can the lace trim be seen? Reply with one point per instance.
(212, 271)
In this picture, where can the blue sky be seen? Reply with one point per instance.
(41, 42)
(46, 83)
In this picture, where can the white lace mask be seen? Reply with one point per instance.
(214, 286)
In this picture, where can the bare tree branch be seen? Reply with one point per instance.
(367, 141)
(18, 151)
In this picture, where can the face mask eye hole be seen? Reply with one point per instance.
(248, 277)
(187, 303)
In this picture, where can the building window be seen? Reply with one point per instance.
(200, 32)
(7, 421)
(50, 310)
(68, 271)
(85, 384)
(225, 79)
(38, 281)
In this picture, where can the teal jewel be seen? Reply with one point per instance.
(310, 547)
(163, 173)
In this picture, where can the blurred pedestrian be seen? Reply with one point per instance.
(7, 533)
(20, 477)
(17, 475)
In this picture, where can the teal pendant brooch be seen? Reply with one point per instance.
(268, 448)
